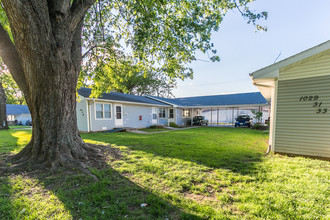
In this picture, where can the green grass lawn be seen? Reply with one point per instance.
(153, 129)
(201, 173)
(19, 126)
(12, 140)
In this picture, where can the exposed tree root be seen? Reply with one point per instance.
(94, 156)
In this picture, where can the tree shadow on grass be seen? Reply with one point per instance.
(79, 196)
(6, 208)
(189, 145)
(66, 194)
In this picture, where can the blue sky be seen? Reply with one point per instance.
(293, 26)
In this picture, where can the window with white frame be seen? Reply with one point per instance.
(107, 110)
(103, 111)
(10, 118)
(161, 112)
(186, 113)
(171, 113)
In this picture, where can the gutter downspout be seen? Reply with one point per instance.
(88, 117)
(272, 116)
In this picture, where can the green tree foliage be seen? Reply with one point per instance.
(257, 115)
(159, 37)
(125, 77)
(13, 93)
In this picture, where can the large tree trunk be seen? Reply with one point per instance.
(47, 37)
(3, 115)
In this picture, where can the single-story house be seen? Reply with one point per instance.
(17, 113)
(299, 90)
(113, 110)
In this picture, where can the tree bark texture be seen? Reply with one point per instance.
(47, 39)
(3, 115)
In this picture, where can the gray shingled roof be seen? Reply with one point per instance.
(85, 92)
(253, 98)
(16, 109)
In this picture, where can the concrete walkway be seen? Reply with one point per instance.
(169, 129)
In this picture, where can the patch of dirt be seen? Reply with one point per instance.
(200, 198)
(115, 153)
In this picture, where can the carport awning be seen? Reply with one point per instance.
(217, 101)
(227, 106)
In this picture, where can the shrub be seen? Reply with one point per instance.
(173, 125)
(155, 126)
(257, 115)
(259, 126)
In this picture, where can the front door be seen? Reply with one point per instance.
(119, 116)
(154, 115)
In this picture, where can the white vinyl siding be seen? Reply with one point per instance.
(303, 116)
(317, 65)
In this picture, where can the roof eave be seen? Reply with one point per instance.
(159, 100)
(271, 70)
(226, 106)
(127, 102)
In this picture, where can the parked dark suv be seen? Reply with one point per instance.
(243, 120)
(200, 120)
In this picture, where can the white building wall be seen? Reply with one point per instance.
(133, 114)
(22, 118)
(82, 115)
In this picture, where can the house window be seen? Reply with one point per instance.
(154, 116)
(11, 118)
(103, 111)
(107, 111)
(161, 112)
(186, 113)
(171, 113)
(99, 110)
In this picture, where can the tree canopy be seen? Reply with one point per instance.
(157, 36)
(125, 77)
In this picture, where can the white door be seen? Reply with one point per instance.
(154, 115)
(119, 115)
(171, 115)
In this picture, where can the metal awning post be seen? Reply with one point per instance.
(226, 117)
(232, 116)
(211, 116)
(218, 116)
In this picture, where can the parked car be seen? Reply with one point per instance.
(200, 120)
(243, 120)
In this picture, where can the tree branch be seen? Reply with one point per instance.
(78, 10)
(12, 60)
